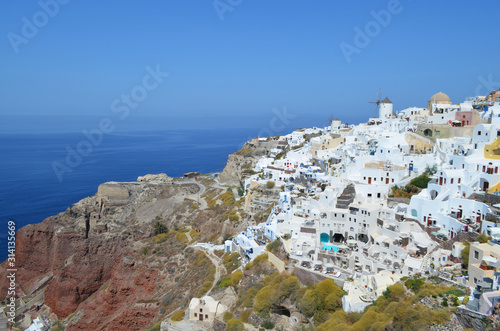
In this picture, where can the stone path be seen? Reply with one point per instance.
(219, 267)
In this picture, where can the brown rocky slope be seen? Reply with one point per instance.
(100, 265)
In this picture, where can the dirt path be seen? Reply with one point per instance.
(217, 261)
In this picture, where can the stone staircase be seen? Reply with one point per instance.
(427, 258)
(347, 197)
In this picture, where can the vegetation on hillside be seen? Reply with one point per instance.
(399, 308)
(414, 187)
(395, 309)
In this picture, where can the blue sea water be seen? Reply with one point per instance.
(31, 190)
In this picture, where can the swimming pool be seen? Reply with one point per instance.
(330, 247)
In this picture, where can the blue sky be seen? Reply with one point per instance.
(262, 55)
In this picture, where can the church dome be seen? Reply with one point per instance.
(440, 98)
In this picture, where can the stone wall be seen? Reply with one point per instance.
(219, 325)
(113, 192)
(280, 265)
(307, 277)
(470, 319)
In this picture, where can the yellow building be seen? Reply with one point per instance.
(483, 259)
(492, 151)
(439, 99)
(325, 142)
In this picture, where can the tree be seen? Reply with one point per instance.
(270, 184)
(323, 187)
(430, 170)
(160, 228)
(465, 255)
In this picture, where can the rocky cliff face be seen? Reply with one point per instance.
(240, 163)
(99, 265)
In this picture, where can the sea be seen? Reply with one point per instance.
(41, 176)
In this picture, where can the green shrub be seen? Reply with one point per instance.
(235, 278)
(270, 184)
(156, 327)
(421, 181)
(267, 324)
(414, 284)
(235, 325)
(224, 282)
(274, 246)
(178, 316)
(483, 238)
(245, 315)
(160, 228)
(227, 316)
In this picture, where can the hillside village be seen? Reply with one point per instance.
(399, 196)
(392, 224)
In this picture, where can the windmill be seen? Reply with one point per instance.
(377, 103)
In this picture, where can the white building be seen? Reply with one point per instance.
(205, 309)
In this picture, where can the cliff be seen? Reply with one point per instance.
(99, 265)
(240, 164)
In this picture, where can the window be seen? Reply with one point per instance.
(476, 254)
(206, 316)
(195, 314)
(479, 133)
(378, 195)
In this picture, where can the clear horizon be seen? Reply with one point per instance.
(241, 58)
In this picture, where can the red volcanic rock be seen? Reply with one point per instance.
(80, 267)
(124, 304)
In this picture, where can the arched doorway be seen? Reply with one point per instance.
(324, 238)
